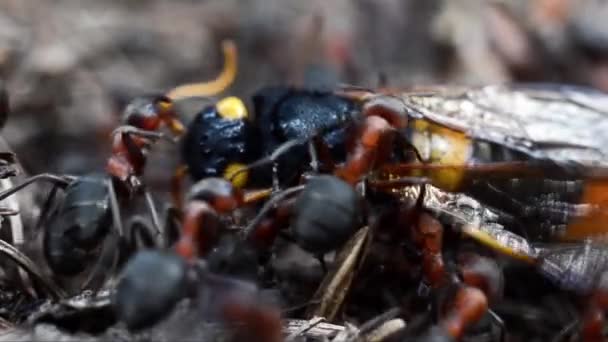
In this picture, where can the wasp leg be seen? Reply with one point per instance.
(28, 265)
(223, 81)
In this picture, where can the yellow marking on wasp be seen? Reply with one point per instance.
(442, 146)
(231, 108)
(238, 180)
(491, 242)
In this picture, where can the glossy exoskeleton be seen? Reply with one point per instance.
(325, 215)
(82, 220)
(223, 137)
(153, 283)
(91, 205)
(516, 148)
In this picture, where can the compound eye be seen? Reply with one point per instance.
(232, 108)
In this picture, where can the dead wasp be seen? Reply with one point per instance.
(534, 152)
(226, 138)
(517, 148)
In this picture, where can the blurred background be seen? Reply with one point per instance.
(71, 65)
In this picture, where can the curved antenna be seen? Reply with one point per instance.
(216, 86)
(28, 265)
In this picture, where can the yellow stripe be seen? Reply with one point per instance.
(240, 180)
(491, 242)
(445, 147)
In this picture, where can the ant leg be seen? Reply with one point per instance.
(429, 236)
(468, 307)
(565, 331)
(314, 159)
(127, 130)
(500, 323)
(62, 181)
(269, 205)
(172, 227)
(28, 265)
(154, 215)
(322, 262)
(115, 208)
(46, 210)
(276, 186)
(141, 233)
(100, 271)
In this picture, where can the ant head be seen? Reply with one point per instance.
(150, 111)
(218, 192)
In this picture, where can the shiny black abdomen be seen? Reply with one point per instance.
(212, 143)
(283, 114)
(79, 226)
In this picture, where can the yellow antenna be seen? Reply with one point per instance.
(223, 81)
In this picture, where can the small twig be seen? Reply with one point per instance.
(304, 328)
(320, 330)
